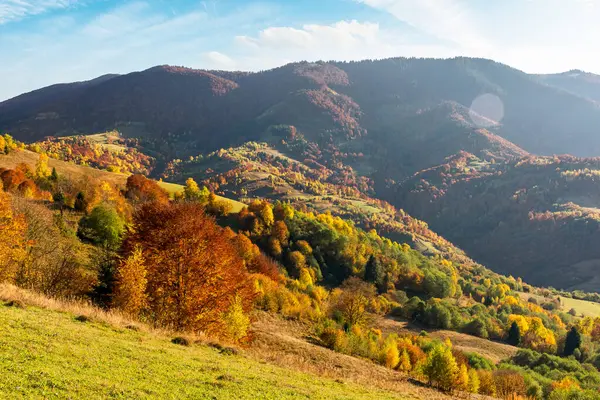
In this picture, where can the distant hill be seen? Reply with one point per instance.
(578, 82)
(538, 217)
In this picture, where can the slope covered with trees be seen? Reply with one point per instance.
(364, 140)
(187, 265)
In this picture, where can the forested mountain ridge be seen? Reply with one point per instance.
(358, 139)
(182, 104)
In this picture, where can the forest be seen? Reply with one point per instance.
(185, 262)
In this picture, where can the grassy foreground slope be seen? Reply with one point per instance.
(49, 354)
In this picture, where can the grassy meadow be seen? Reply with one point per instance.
(53, 355)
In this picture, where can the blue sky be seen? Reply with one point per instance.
(49, 41)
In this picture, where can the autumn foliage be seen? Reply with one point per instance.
(193, 272)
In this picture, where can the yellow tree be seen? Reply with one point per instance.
(462, 378)
(404, 364)
(41, 167)
(130, 291)
(473, 386)
(12, 239)
(391, 355)
(235, 320)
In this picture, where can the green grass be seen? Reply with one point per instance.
(48, 354)
(582, 307)
(587, 308)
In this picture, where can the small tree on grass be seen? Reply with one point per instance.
(354, 299)
(440, 368)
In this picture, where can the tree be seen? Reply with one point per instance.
(12, 239)
(42, 171)
(130, 288)
(404, 365)
(572, 341)
(514, 334)
(236, 320)
(353, 300)
(54, 175)
(391, 355)
(462, 378)
(473, 386)
(140, 189)
(59, 199)
(374, 272)
(440, 368)
(104, 228)
(193, 193)
(193, 269)
(487, 386)
(55, 264)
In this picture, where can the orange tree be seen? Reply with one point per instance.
(193, 271)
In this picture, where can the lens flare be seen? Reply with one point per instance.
(486, 110)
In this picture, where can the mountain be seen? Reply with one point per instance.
(366, 141)
(183, 105)
(578, 82)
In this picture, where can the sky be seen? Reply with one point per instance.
(43, 42)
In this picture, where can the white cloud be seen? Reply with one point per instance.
(217, 60)
(343, 40)
(14, 10)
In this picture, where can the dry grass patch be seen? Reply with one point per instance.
(284, 343)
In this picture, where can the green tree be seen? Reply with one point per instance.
(440, 368)
(54, 175)
(80, 202)
(59, 199)
(104, 228)
(374, 272)
(572, 341)
(514, 334)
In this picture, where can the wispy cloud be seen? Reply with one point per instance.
(343, 40)
(14, 10)
(450, 21)
(131, 36)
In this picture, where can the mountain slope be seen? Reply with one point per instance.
(345, 136)
(578, 82)
(182, 105)
(538, 217)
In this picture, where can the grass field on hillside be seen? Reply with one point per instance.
(582, 307)
(587, 308)
(49, 354)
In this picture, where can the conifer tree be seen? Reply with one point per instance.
(514, 334)
(572, 341)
